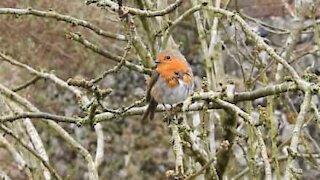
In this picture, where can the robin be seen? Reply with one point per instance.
(170, 83)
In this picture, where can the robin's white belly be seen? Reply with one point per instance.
(165, 95)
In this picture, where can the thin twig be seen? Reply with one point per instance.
(268, 27)
(116, 68)
(26, 84)
(107, 54)
(176, 22)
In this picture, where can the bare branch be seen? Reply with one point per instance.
(38, 115)
(147, 13)
(113, 70)
(257, 130)
(225, 145)
(257, 39)
(65, 135)
(305, 106)
(177, 21)
(177, 149)
(100, 145)
(107, 54)
(26, 84)
(34, 153)
(69, 19)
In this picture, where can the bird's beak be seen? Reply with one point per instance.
(156, 62)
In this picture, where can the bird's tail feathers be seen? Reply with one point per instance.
(150, 110)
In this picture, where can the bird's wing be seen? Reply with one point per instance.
(153, 79)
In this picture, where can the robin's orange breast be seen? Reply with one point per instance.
(167, 95)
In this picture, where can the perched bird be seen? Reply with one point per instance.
(171, 82)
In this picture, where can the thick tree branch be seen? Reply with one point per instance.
(238, 97)
(38, 115)
(249, 120)
(305, 106)
(177, 149)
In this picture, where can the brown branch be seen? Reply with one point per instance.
(26, 84)
(147, 13)
(107, 54)
(237, 97)
(225, 146)
(295, 139)
(82, 99)
(247, 118)
(280, 158)
(92, 88)
(196, 150)
(208, 96)
(268, 27)
(259, 41)
(93, 173)
(37, 115)
(263, 92)
(116, 68)
(33, 152)
(69, 19)
(177, 21)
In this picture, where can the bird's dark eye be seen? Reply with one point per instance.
(168, 57)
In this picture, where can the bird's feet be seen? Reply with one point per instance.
(171, 114)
